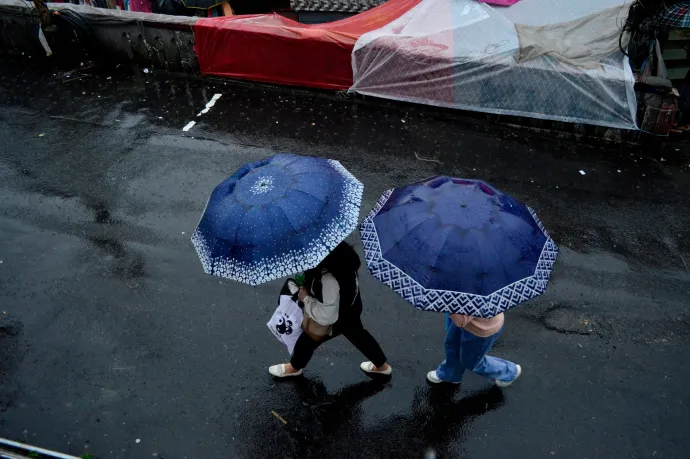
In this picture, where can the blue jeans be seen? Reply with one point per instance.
(465, 351)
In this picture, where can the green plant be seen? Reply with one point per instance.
(34, 454)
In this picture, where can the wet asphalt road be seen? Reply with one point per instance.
(113, 340)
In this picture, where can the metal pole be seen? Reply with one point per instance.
(29, 449)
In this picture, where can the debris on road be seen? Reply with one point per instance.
(280, 418)
(428, 160)
(583, 172)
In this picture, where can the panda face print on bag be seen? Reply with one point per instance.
(284, 326)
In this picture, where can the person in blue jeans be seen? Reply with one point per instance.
(468, 339)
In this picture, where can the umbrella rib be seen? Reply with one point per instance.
(445, 241)
(312, 167)
(311, 195)
(403, 236)
(294, 231)
(234, 239)
(270, 225)
(294, 160)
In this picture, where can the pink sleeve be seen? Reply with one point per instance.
(460, 320)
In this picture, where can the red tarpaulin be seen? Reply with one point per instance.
(272, 48)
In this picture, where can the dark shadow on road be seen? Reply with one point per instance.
(11, 354)
(320, 424)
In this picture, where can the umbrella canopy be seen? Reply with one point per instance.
(677, 15)
(276, 217)
(459, 246)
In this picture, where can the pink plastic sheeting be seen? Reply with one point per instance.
(142, 6)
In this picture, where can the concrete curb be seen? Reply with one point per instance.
(101, 15)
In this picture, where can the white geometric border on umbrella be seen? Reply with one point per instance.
(454, 301)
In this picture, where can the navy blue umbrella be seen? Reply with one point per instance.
(459, 246)
(277, 217)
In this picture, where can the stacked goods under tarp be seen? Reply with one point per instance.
(274, 49)
(464, 54)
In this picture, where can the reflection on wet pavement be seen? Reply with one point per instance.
(113, 333)
(319, 423)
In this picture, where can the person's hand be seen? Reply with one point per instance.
(460, 320)
(302, 294)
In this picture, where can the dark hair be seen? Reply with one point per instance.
(343, 259)
(343, 263)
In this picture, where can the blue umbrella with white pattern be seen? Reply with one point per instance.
(458, 246)
(277, 217)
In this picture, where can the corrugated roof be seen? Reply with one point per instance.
(344, 6)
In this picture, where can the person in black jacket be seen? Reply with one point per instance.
(332, 307)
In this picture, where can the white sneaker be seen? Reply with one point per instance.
(369, 367)
(432, 377)
(508, 383)
(279, 371)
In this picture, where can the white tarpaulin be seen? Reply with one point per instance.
(462, 54)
